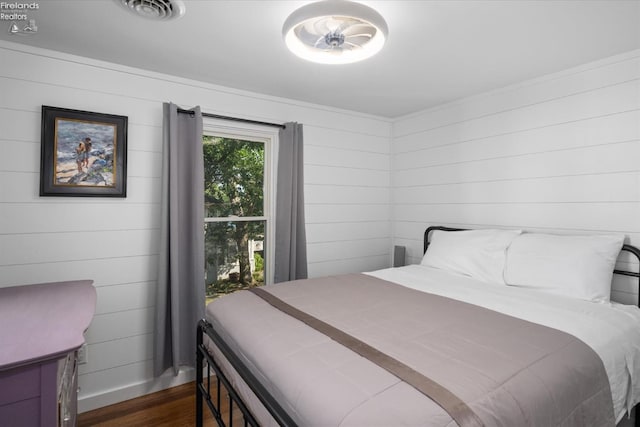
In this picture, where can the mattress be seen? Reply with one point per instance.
(612, 330)
(609, 329)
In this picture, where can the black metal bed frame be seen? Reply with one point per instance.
(203, 390)
(204, 360)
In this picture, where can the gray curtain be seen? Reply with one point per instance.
(291, 242)
(180, 298)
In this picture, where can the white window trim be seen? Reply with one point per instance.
(269, 136)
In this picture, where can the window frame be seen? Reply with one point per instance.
(267, 135)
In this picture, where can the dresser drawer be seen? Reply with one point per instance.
(25, 413)
(19, 384)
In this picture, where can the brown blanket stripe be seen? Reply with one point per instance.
(462, 414)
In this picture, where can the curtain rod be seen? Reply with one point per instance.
(233, 119)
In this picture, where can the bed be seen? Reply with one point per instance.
(493, 327)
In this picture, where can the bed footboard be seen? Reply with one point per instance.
(205, 362)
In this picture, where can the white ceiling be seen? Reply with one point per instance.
(437, 51)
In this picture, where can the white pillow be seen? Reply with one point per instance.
(575, 266)
(476, 253)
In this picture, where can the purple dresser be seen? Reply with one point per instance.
(41, 329)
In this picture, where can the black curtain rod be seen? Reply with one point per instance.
(233, 119)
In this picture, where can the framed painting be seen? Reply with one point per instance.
(83, 153)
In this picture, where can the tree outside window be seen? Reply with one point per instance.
(235, 214)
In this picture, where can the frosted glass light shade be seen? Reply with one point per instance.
(335, 32)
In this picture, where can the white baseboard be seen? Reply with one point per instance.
(166, 380)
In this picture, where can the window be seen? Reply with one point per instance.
(238, 173)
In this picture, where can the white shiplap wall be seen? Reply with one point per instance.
(557, 154)
(115, 241)
(347, 201)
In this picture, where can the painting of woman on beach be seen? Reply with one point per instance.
(83, 153)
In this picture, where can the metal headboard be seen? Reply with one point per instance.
(628, 248)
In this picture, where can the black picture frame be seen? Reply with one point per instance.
(83, 153)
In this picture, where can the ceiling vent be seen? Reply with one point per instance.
(157, 10)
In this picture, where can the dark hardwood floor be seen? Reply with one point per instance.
(174, 407)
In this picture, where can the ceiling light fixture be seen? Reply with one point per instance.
(335, 32)
(158, 10)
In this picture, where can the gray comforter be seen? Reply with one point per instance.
(509, 372)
